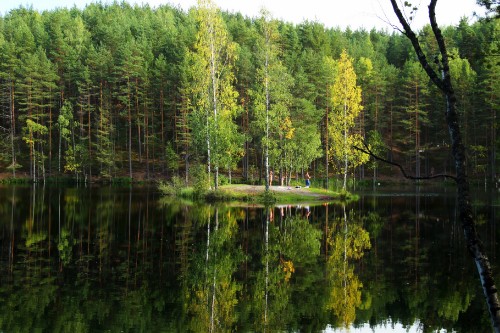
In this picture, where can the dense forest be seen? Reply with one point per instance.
(121, 91)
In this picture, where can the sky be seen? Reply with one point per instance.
(332, 13)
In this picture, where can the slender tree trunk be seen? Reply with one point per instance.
(146, 134)
(209, 161)
(129, 130)
(266, 87)
(101, 109)
(474, 244)
(89, 129)
(59, 160)
(247, 144)
(138, 120)
(493, 154)
(162, 133)
(32, 155)
(417, 135)
(43, 164)
(327, 147)
(345, 144)
(12, 129)
(213, 65)
(73, 141)
(50, 131)
(153, 150)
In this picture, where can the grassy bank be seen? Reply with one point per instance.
(256, 194)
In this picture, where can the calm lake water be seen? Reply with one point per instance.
(110, 259)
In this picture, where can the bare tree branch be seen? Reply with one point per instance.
(386, 19)
(416, 46)
(407, 176)
(388, 22)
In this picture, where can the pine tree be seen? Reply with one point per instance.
(35, 99)
(415, 93)
(464, 79)
(96, 78)
(8, 114)
(489, 91)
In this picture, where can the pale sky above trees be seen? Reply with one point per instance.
(332, 13)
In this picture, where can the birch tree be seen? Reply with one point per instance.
(441, 77)
(271, 95)
(346, 107)
(213, 90)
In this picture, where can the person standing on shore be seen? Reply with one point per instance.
(308, 179)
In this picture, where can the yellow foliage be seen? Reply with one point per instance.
(288, 268)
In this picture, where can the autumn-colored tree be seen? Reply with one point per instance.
(346, 107)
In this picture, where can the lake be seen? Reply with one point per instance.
(118, 259)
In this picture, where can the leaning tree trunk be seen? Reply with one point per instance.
(443, 82)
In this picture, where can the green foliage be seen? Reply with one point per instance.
(223, 180)
(267, 198)
(377, 147)
(300, 241)
(200, 180)
(172, 188)
(16, 180)
(65, 246)
(272, 97)
(171, 158)
(121, 180)
(124, 89)
(14, 166)
(263, 270)
(348, 241)
(211, 91)
(346, 107)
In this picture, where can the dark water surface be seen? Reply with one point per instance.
(107, 259)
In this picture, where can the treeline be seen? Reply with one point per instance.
(130, 91)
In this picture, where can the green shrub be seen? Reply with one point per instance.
(267, 198)
(173, 187)
(17, 180)
(200, 180)
(223, 180)
(121, 180)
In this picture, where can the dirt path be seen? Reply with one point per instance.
(259, 189)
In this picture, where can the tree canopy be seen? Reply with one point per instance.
(124, 91)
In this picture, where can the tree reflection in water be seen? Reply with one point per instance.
(121, 259)
(210, 288)
(348, 241)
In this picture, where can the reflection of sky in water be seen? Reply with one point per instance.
(388, 327)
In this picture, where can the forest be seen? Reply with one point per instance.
(139, 93)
